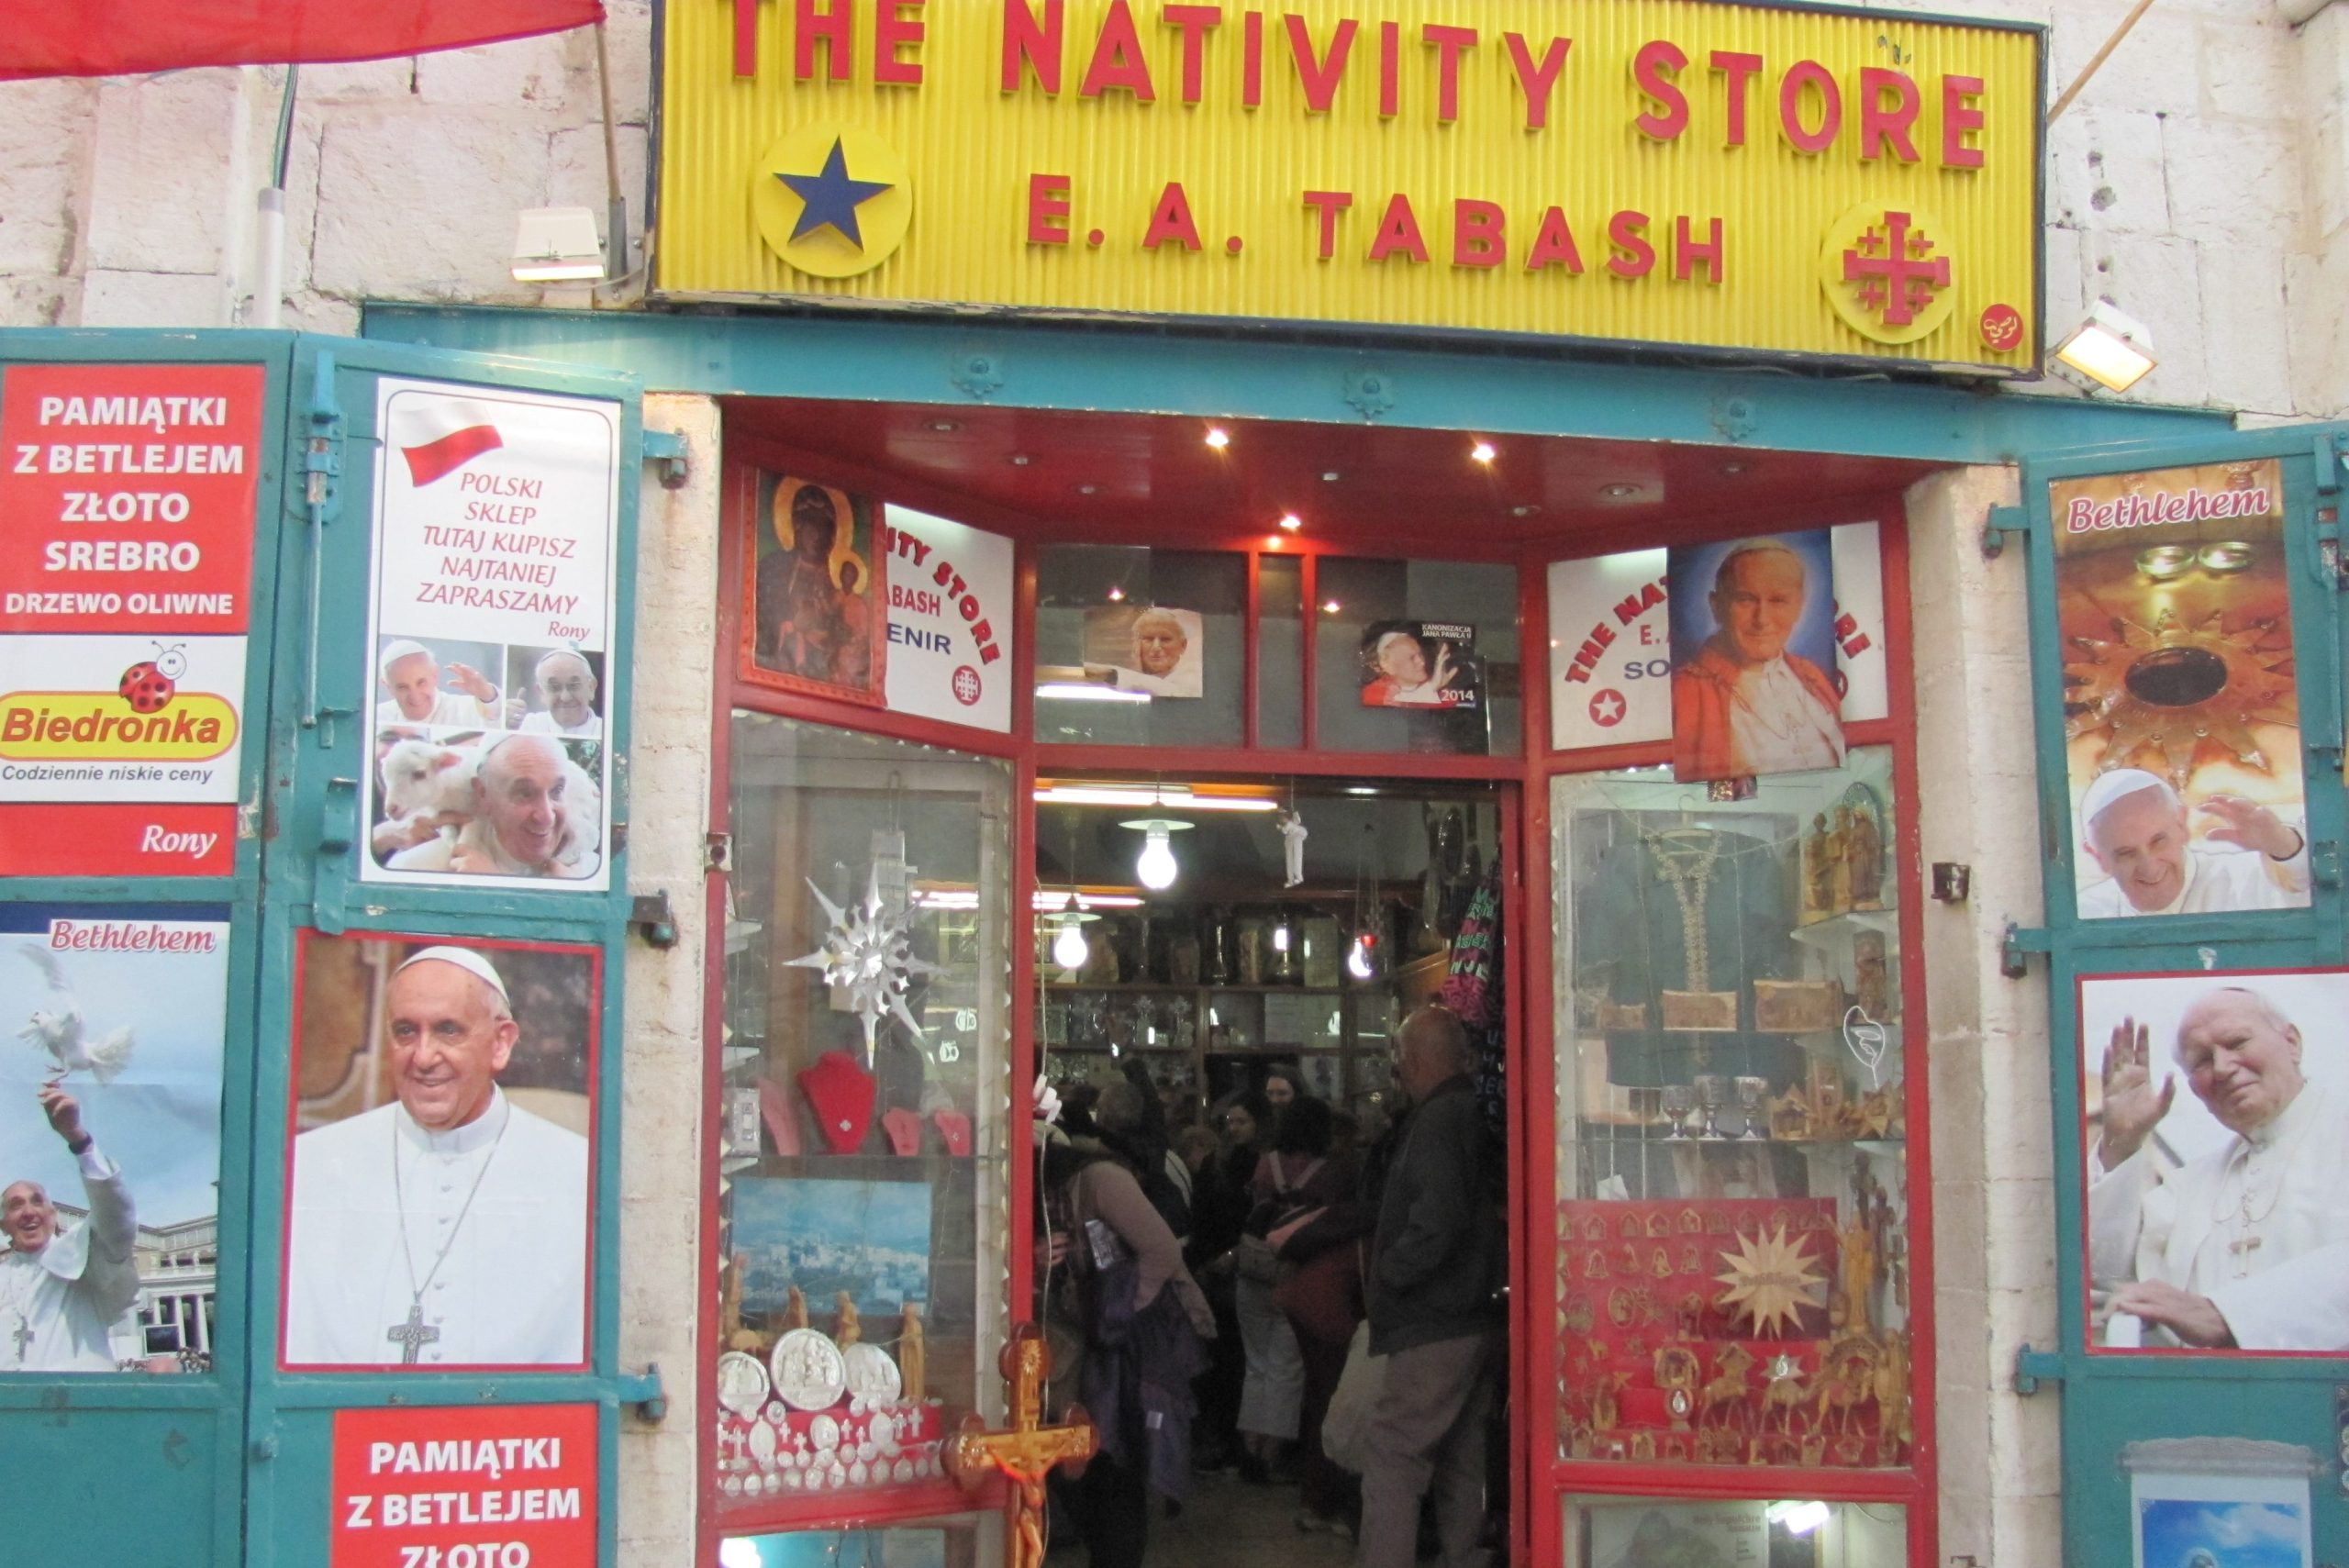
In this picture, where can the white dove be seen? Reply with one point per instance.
(60, 1032)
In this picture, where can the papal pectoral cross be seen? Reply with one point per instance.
(2242, 1251)
(1028, 1452)
(22, 1335)
(413, 1335)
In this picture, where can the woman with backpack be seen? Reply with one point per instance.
(1293, 1177)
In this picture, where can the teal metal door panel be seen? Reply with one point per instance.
(2114, 1397)
(322, 748)
(135, 1467)
(232, 1461)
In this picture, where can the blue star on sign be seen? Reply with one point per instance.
(830, 197)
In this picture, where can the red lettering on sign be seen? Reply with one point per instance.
(1328, 204)
(1172, 220)
(1398, 232)
(1884, 124)
(1030, 45)
(1687, 254)
(1627, 234)
(1047, 200)
(1538, 78)
(1655, 69)
(1554, 244)
(1736, 71)
(892, 32)
(1450, 44)
(834, 29)
(1961, 118)
(1479, 234)
(1319, 78)
(1194, 22)
(1118, 61)
(1810, 73)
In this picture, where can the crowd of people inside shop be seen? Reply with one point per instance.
(1286, 1294)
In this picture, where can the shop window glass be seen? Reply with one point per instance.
(1734, 1261)
(1280, 650)
(863, 1205)
(1416, 656)
(970, 1540)
(1790, 1532)
(1141, 647)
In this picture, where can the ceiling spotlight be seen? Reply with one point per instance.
(1216, 439)
(1155, 865)
(1483, 452)
(1329, 476)
(1019, 460)
(1618, 491)
(1734, 469)
(1330, 608)
(1524, 510)
(944, 426)
(2109, 348)
(1087, 489)
(1117, 595)
(1291, 521)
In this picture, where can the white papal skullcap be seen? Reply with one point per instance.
(466, 959)
(2117, 784)
(396, 652)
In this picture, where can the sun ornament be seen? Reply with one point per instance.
(1771, 1280)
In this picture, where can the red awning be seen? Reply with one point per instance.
(112, 38)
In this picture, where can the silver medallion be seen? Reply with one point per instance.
(741, 1382)
(809, 1372)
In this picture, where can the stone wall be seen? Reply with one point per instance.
(669, 784)
(1992, 1153)
(2202, 181)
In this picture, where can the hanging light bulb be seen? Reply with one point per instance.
(1358, 957)
(1070, 948)
(1155, 866)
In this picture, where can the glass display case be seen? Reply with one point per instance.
(1732, 1227)
(865, 1170)
(1792, 1532)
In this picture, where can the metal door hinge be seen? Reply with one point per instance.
(2324, 862)
(650, 918)
(2018, 941)
(2004, 520)
(2035, 1367)
(2331, 457)
(669, 449)
(646, 1392)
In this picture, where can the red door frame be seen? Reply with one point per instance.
(1540, 1479)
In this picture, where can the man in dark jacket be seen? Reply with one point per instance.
(1435, 1263)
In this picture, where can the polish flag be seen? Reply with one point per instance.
(440, 435)
(115, 38)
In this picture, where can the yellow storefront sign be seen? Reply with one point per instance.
(1769, 179)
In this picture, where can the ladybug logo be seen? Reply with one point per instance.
(149, 684)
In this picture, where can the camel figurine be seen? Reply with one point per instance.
(1847, 1381)
(1729, 1390)
(1784, 1392)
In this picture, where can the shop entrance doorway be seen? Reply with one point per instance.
(1043, 686)
(1222, 969)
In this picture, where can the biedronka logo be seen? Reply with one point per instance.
(147, 718)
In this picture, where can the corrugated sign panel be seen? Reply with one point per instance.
(1654, 172)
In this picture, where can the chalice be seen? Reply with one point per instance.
(1678, 1101)
(1750, 1094)
(1713, 1093)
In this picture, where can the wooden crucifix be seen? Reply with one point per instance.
(1026, 1451)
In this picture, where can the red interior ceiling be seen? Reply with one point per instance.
(1153, 478)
